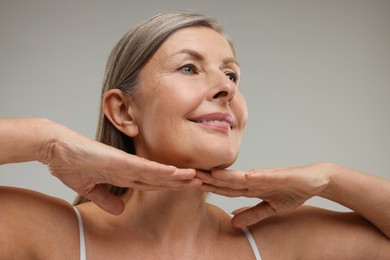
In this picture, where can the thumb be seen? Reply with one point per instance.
(238, 211)
(253, 215)
(106, 200)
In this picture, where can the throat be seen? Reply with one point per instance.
(168, 214)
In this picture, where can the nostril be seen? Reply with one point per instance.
(220, 94)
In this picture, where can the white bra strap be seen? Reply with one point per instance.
(83, 255)
(252, 242)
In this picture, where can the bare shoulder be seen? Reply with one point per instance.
(29, 220)
(310, 232)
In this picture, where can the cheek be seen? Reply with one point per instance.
(161, 118)
(240, 109)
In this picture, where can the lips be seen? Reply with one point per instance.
(216, 119)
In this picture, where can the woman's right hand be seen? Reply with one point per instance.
(84, 164)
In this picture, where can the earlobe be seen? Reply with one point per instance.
(118, 110)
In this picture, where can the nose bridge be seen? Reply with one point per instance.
(221, 88)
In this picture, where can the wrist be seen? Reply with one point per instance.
(46, 131)
(332, 173)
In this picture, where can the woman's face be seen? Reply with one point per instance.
(188, 109)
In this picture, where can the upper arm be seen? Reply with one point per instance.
(321, 234)
(28, 220)
(346, 235)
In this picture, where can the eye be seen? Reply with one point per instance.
(233, 77)
(188, 69)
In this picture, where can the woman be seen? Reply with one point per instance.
(170, 95)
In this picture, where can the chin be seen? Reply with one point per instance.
(205, 160)
(224, 165)
(210, 168)
(208, 164)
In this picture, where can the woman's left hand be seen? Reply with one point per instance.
(280, 189)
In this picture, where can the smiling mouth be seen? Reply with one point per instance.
(216, 120)
(220, 123)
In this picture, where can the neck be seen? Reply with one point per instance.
(166, 215)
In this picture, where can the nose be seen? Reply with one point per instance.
(222, 88)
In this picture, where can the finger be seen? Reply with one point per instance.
(153, 170)
(231, 176)
(143, 165)
(176, 186)
(208, 179)
(106, 200)
(265, 175)
(132, 165)
(215, 181)
(253, 215)
(153, 178)
(237, 211)
(168, 182)
(204, 176)
(183, 174)
(227, 192)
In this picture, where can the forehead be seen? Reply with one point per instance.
(200, 39)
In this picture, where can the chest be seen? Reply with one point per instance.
(224, 248)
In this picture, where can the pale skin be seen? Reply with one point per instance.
(166, 215)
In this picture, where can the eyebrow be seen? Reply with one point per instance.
(196, 55)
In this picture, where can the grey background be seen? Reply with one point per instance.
(316, 76)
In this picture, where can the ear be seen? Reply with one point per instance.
(117, 108)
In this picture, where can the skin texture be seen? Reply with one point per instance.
(185, 80)
(165, 215)
(83, 164)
